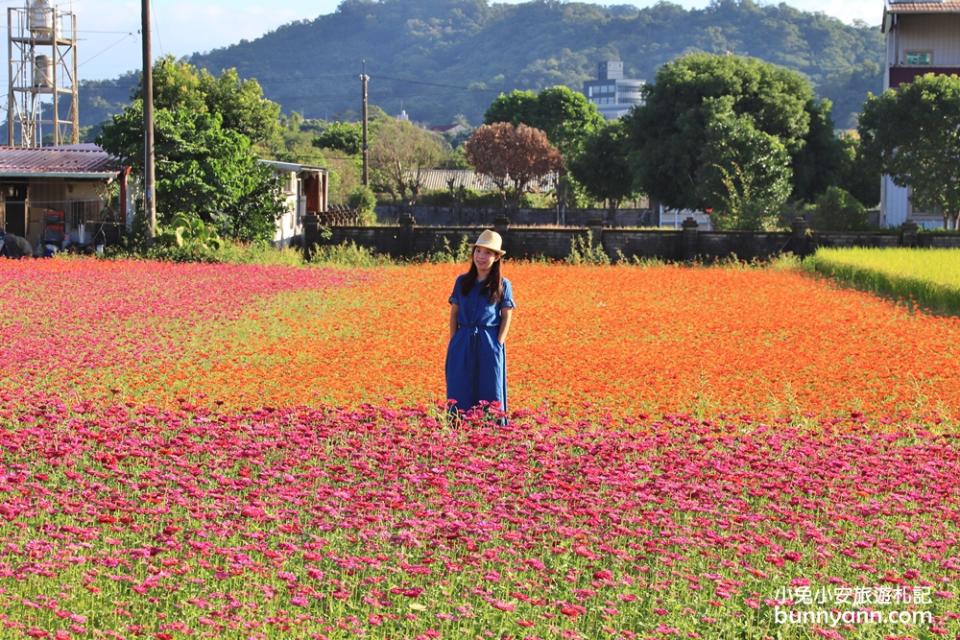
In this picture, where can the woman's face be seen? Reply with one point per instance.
(484, 258)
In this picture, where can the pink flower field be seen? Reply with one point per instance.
(142, 495)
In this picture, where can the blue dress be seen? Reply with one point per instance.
(476, 361)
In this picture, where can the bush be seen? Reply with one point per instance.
(348, 254)
(582, 251)
(364, 200)
(228, 252)
(838, 210)
(449, 253)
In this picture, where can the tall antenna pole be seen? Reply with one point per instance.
(366, 155)
(149, 177)
(11, 99)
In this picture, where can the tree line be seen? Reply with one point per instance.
(742, 139)
(469, 51)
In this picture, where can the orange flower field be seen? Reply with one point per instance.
(260, 452)
(621, 340)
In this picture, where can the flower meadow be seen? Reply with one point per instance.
(210, 451)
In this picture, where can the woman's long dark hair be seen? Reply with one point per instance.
(492, 286)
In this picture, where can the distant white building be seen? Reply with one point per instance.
(922, 37)
(613, 94)
(304, 190)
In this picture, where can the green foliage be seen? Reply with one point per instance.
(583, 251)
(201, 168)
(364, 200)
(341, 136)
(819, 163)
(914, 133)
(227, 252)
(838, 210)
(240, 103)
(449, 254)
(603, 167)
(859, 170)
(348, 254)
(469, 198)
(187, 231)
(496, 47)
(400, 153)
(675, 138)
(749, 177)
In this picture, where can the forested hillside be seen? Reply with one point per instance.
(440, 58)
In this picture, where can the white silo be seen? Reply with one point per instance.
(40, 17)
(43, 72)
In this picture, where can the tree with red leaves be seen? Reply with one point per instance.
(513, 156)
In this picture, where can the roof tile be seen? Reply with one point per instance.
(947, 6)
(82, 158)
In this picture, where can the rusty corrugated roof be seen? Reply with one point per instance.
(68, 160)
(947, 6)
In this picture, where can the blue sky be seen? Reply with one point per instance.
(110, 44)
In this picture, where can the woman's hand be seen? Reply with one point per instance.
(453, 320)
(505, 316)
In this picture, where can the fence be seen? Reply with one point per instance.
(463, 216)
(408, 240)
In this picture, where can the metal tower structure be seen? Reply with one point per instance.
(42, 73)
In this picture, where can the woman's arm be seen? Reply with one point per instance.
(505, 316)
(453, 319)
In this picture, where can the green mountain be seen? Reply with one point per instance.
(439, 58)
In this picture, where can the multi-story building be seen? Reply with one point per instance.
(922, 37)
(613, 94)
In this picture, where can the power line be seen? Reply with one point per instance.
(435, 84)
(102, 51)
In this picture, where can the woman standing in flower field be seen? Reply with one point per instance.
(480, 312)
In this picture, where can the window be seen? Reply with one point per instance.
(924, 58)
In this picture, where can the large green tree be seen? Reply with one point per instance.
(915, 132)
(818, 163)
(748, 176)
(670, 133)
(603, 166)
(206, 164)
(860, 172)
(177, 84)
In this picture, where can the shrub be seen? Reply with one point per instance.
(348, 254)
(449, 254)
(838, 210)
(582, 251)
(364, 200)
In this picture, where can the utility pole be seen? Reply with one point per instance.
(149, 176)
(366, 155)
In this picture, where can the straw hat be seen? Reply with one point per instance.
(490, 240)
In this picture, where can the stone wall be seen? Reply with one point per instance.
(430, 216)
(407, 239)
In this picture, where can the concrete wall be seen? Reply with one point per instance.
(446, 216)
(688, 243)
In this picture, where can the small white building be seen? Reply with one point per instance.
(306, 191)
(922, 37)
